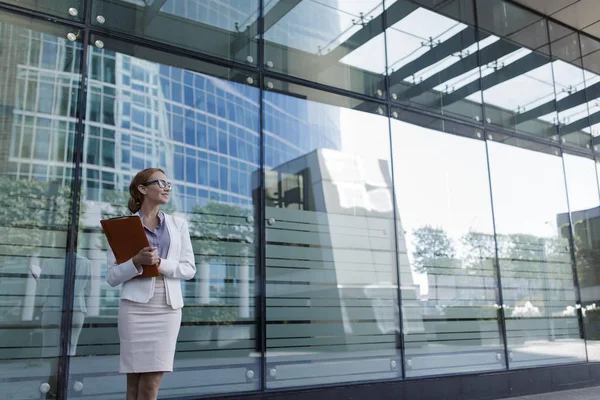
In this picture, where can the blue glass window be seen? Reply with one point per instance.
(179, 168)
(214, 175)
(126, 108)
(190, 133)
(222, 142)
(108, 153)
(108, 133)
(49, 55)
(137, 116)
(224, 177)
(188, 96)
(188, 78)
(163, 70)
(232, 146)
(221, 109)
(241, 150)
(138, 87)
(42, 144)
(164, 84)
(93, 151)
(202, 172)
(177, 132)
(199, 81)
(190, 169)
(212, 139)
(210, 88)
(201, 135)
(176, 74)
(244, 178)
(235, 187)
(176, 92)
(200, 103)
(108, 110)
(137, 73)
(138, 163)
(210, 104)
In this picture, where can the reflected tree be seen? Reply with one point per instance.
(430, 243)
(478, 247)
(218, 225)
(222, 234)
(587, 253)
(32, 211)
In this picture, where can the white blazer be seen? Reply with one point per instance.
(180, 263)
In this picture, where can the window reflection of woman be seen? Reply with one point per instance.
(150, 308)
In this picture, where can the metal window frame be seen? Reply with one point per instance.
(87, 29)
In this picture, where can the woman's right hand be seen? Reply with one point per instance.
(146, 256)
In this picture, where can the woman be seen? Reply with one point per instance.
(150, 308)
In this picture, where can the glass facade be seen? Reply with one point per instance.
(376, 190)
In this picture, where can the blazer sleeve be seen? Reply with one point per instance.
(185, 266)
(117, 274)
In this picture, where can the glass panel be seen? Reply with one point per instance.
(585, 215)
(516, 72)
(433, 58)
(225, 28)
(447, 253)
(332, 310)
(36, 148)
(161, 112)
(334, 42)
(591, 63)
(569, 85)
(71, 9)
(535, 260)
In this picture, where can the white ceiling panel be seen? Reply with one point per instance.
(546, 6)
(583, 15)
(579, 15)
(593, 30)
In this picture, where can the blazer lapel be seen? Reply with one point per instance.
(169, 223)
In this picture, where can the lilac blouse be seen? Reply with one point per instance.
(159, 237)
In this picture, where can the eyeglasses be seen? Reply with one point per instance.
(161, 183)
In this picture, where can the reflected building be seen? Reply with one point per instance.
(586, 226)
(307, 273)
(202, 130)
(330, 229)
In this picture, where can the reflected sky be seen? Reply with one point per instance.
(348, 33)
(319, 26)
(204, 130)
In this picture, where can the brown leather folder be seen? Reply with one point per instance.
(126, 238)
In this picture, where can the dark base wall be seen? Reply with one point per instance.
(489, 386)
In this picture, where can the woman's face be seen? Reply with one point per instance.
(156, 190)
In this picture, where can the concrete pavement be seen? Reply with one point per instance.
(592, 393)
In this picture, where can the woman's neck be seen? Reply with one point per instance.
(149, 211)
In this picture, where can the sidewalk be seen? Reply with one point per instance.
(592, 393)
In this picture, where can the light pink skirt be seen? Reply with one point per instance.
(148, 333)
